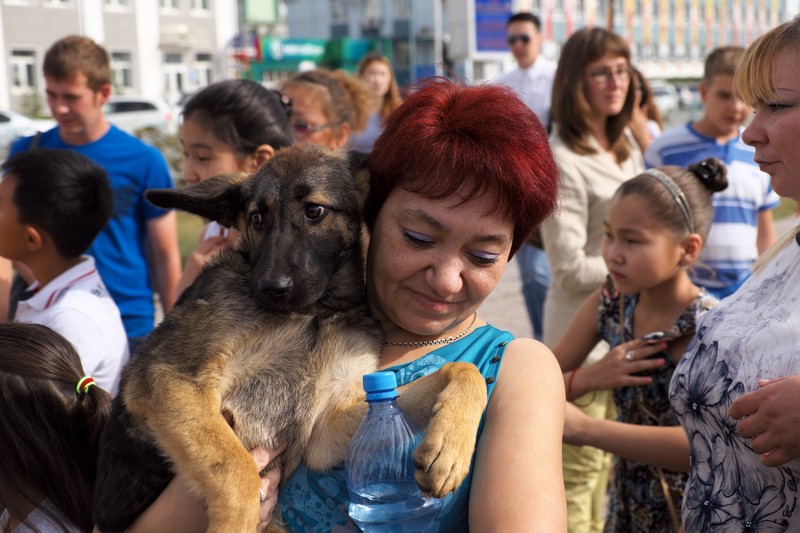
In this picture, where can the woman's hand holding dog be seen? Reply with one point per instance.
(269, 483)
(617, 368)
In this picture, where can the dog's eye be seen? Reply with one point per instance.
(314, 211)
(256, 220)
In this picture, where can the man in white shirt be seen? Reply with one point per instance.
(532, 80)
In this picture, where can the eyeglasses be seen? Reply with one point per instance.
(304, 129)
(525, 39)
(605, 75)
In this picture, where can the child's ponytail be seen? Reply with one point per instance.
(712, 173)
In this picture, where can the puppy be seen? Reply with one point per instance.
(277, 333)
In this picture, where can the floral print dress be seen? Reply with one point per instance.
(636, 499)
(753, 334)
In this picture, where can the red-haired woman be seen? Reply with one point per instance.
(444, 222)
(593, 98)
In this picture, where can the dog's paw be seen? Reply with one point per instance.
(443, 461)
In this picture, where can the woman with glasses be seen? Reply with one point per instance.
(592, 104)
(228, 126)
(328, 106)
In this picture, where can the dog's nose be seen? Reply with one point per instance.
(277, 286)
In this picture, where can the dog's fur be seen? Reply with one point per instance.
(277, 333)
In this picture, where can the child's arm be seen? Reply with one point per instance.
(6, 275)
(165, 258)
(206, 249)
(660, 446)
(610, 372)
(581, 335)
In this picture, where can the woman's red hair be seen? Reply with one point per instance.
(445, 136)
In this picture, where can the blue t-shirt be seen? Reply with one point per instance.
(120, 249)
(318, 501)
(731, 248)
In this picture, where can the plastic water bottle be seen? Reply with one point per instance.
(384, 497)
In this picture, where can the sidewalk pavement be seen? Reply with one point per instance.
(505, 307)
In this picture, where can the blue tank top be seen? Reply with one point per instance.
(318, 501)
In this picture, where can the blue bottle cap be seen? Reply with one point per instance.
(380, 385)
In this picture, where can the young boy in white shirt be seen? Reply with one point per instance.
(53, 203)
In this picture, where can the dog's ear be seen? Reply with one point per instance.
(220, 198)
(357, 162)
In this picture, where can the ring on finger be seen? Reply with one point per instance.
(629, 356)
(262, 495)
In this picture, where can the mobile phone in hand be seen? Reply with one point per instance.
(657, 336)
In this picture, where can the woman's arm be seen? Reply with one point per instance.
(517, 479)
(665, 447)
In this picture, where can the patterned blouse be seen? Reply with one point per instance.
(636, 499)
(753, 334)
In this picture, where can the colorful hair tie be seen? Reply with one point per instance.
(83, 384)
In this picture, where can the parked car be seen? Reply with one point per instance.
(689, 96)
(666, 96)
(15, 125)
(142, 116)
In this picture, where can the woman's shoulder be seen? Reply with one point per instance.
(530, 373)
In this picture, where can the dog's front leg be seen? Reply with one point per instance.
(449, 403)
(206, 451)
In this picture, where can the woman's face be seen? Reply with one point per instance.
(606, 84)
(309, 120)
(205, 155)
(377, 77)
(432, 263)
(775, 128)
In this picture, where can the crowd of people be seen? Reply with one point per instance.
(658, 393)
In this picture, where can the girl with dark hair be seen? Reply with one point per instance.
(655, 228)
(328, 106)
(595, 152)
(444, 222)
(228, 126)
(376, 71)
(52, 418)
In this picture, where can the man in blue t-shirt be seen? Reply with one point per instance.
(743, 226)
(140, 243)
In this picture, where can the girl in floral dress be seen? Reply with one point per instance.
(654, 231)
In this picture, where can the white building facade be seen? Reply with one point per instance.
(157, 47)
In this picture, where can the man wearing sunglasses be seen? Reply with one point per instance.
(532, 80)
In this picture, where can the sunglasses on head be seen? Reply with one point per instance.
(524, 38)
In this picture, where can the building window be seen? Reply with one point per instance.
(56, 3)
(117, 3)
(402, 10)
(202, 71)
(175, 74)
(122, 70)
(168, 4)
(200, 5)
(338, 12)
(23, 69)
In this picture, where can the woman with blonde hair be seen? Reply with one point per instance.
(376, 71)
(327, 106)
